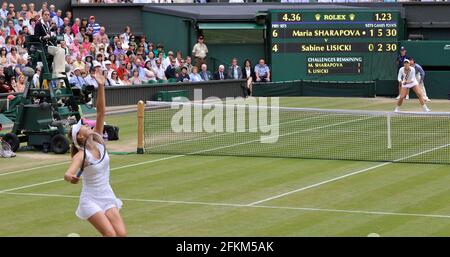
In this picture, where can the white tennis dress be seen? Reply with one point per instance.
(411, 76)
(97, 194)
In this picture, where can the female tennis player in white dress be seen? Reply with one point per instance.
(98, 203)
(407, 78)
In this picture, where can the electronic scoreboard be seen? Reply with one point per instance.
(334, 45)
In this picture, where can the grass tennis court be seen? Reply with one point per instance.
(176, 195)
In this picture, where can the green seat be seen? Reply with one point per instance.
(162, 81)
(151, 81)
(172, 80)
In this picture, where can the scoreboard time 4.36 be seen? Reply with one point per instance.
(340, 44)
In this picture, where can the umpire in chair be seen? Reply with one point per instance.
(43, 32)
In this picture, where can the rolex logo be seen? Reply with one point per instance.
(352, 16)
(318, 16)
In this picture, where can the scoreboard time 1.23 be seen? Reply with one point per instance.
(334, 45)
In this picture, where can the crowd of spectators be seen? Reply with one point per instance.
(126, 58)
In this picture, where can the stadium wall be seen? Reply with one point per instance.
(126, 95)
(114, 17)
(175, 33)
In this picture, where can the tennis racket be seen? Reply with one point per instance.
(94, 140)
(407, 72)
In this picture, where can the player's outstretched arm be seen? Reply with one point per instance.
(101, 102)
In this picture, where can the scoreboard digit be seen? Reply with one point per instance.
(348, 45)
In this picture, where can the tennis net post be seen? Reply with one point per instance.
(140, 130)
(389, 133)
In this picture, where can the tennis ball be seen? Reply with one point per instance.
(373, 235)
(73, 235)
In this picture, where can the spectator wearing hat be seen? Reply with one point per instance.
(19, 26)
(77, 80)
(184, 76)
(88, 60)
(200, 52)
(108, 68)
(401, 57)
(93, 25)
(90, 79)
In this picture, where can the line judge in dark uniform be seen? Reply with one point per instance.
(43, 32)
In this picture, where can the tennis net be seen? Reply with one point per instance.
(225, 129)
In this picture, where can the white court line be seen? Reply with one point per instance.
(35, 168)
(117, 168)
(252, 206)
(32, 185)
(193, 153)
(345, 176)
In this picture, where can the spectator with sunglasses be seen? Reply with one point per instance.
(115, 80)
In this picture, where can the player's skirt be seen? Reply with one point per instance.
(97, 200)
(410, 85)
